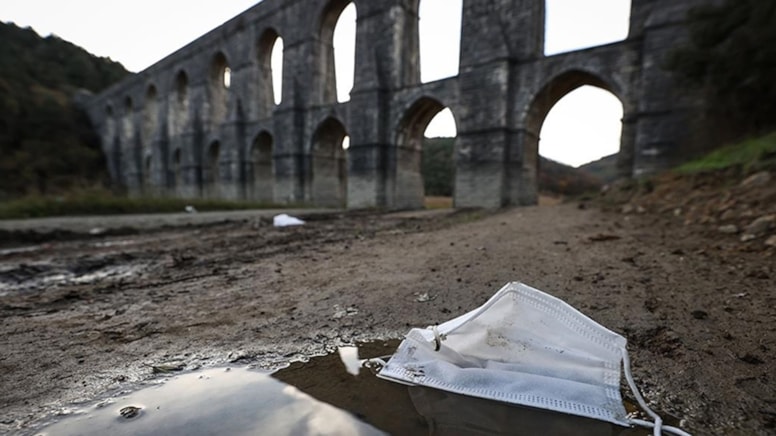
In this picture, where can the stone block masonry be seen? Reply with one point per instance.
(203, 122)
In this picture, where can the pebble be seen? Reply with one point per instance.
(761, 225)
(758, 179)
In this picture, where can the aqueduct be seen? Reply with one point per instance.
(204, 122)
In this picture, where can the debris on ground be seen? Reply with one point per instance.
(284, 220)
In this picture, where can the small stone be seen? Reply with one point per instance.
(730, 229)
(771, 242)
(761, 225)
(758, 179)
(728, 215)
(752, 359)
(627, 209)
(746, 237)
(130, 412)
(700, 314)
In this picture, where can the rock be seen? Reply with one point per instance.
(700, 314)
(730, 229)
(760, 227)
(746, 237)
(758, 179)
(728, 215)
(771, 242)
(752, 359)
(627, 209)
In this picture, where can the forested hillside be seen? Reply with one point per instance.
(47, 145)
(732, 56)
(438, 170)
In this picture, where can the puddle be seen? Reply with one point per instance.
(331, 395)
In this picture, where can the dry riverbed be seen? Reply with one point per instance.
(87, 314)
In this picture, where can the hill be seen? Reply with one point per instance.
(555, 179)
(47, 143)
(604, 169)
(728, 194)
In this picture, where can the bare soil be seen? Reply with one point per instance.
(82, 316)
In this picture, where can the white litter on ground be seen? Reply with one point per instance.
(525, 347)
(284, 220)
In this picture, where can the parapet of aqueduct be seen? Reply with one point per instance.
(175, 129)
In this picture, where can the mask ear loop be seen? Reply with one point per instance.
(657, 426)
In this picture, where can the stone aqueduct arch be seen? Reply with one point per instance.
(176, 129)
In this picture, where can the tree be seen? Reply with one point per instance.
(732, 55)
(47, 143)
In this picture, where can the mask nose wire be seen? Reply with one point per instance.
(657, 426)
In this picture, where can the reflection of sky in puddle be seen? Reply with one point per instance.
(215, 402)
(349, 357)
(327, 395)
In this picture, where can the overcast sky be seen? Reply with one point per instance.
(582, 127)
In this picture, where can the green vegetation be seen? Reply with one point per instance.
(47, 144)
(605, 169)
(732, 56)
(558, 179)
(554, 178)
(748, 155)
(437, 166)
(101, 202)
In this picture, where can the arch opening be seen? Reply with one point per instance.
(573, 25)
(127, 117)
(150, 117)
(276, 65)
(211, 170)
(328, 182)
(179, 115)
(262, 168)
(425, 168)
(338, 50)
(574, 120)
(117, 162)
(220, 82)
(270, 50)
(440, 38)
(182, 86)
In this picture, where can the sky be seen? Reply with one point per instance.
(582, 127)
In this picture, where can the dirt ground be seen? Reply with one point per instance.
(81, 316)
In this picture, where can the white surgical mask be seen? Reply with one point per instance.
(524, 347)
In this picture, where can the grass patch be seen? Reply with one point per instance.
(748, 155)
(106, 203)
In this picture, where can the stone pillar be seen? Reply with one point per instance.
(387, 59)
(496, 36)
(669, 122)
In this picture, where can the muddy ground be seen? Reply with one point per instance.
(85, 315)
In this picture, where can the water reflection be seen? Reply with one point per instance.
(211, 402)
(402, 410)
(327, 395)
